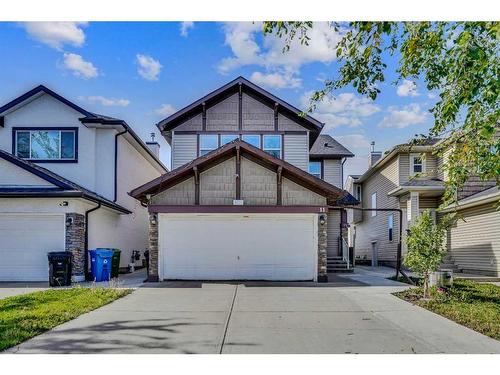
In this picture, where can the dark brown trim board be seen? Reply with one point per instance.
(238, 173)
(238, 209)
(303, 178)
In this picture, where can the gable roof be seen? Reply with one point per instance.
(231, 88)
(39, 90)
(88, 117)
(62, 187)
(326, 147)
(335, 195)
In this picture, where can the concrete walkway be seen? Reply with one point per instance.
(345, 316)
(130, 280)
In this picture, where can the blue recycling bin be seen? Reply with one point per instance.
(100, 264)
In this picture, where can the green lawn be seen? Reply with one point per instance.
(471, 304)
(28, 315)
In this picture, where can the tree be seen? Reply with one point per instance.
(459, 60)
(426, 246)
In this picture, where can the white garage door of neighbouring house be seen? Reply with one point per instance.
(238, 246)
(25, 240)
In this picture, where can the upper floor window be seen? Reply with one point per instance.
(315, 168)
(358, 193)
(272, 145)
(253, 139)
(208, 142)
(226, 138)
(374, 204)
(46, 144)
(417, 163)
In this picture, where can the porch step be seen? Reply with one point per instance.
(337, 264)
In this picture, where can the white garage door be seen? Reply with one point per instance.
(238, 246)
(25, 241)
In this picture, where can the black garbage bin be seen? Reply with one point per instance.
(115, 263)
(59, 268)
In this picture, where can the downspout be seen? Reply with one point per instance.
(86, 255)
(342, 172)
(115, 194)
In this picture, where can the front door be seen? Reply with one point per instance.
(374, 254)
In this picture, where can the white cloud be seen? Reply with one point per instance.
(247, 49)
(165, 110)
(400, 118)
(149, 68)
(343, 109)
(432, 95)
(107, 102)
(407, 88)
(185, 26)
(276, 80)
(79, 67)
(57, 34)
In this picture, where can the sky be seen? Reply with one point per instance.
(144, 71)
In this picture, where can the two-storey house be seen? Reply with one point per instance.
(412, 179)
(65, 174)
(254, 192)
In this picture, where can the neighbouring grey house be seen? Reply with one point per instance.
(412, 179)
(254, 192)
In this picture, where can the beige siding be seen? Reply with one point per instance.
(375, 228)
(333, 229)
(217, 185)
(256, 115)
(184, 149)
(258, 184)
(180, 194)
(294, 194)
(428, 202)
(296, 150)
(286, 124)
(475, 243)
(194, 123)
(431, 165)
(332, 169)
(223, 116)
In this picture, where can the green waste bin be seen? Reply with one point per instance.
(115, 263)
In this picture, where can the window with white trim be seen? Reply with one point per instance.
(46, 145)
(374, 204)
(315, 168)
(253, 139)
(272, 145)
(417, 163)
(226, 138)
(208, 142)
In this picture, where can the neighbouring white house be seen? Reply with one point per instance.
(65, 174)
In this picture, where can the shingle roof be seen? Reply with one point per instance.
(423, 182)
(63, 186)
(325, 146)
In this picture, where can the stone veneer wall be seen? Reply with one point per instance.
(75, 243)
(153, 247)
(322, 248)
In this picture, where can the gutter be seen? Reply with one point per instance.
(116, 163)
(86, 246)
(490, 198)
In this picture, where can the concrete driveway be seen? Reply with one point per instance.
(343, 317)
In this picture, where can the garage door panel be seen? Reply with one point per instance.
(230, 246)
(25, 241)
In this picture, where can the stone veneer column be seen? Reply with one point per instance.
(153, 247)
(322, 248)
(75, 243)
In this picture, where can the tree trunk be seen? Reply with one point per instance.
(426, 285)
